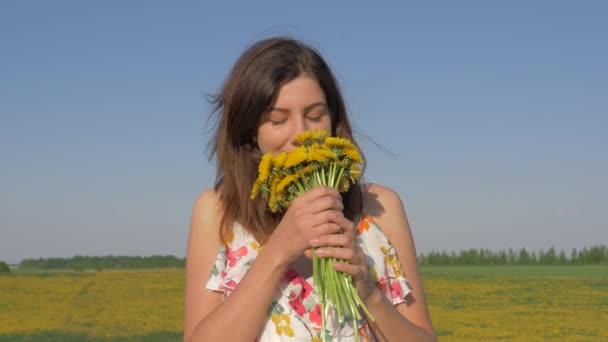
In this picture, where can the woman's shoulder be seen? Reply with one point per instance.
(208, 199)
(385, 207)
(379, 200)
(207, 210)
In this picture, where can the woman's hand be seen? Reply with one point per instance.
(316, 213)
(343, 246)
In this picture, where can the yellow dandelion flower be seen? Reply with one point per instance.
(319, 134)
(264, 167)
(308, 169)
(286, 181)
(303, 137)
(273, 202)
(354, 172)
(279, 160)
(338, 142)
(344, 186)
(273, 205)
(296, 157)
(352, 154)
(311, 136)
(319, 153)
(256, 188)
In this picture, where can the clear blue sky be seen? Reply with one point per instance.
(496, 114)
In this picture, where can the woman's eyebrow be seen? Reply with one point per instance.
(306, 109)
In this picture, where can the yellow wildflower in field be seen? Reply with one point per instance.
(473, 307)
(103, 304)
(517, 307)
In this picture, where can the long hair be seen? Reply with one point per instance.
(248, 92)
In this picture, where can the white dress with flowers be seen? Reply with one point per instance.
(295, 311)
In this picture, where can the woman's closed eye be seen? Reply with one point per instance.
(277, 121)
(277, 118)
(316, 117)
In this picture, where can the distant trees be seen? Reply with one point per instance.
(104, 262)
(4, 267)
(597, 255)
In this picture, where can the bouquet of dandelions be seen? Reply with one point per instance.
(319, 160)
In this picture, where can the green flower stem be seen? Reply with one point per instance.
(332, 175)
(301, 187)
(341, 172)
(335, 288)
(335, 294)
(346, 288)
(315, 267)
(324, 180)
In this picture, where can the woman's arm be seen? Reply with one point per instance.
(404, 322)
(207, 318)
(407, 320)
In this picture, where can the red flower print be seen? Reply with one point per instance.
(297, 306)
(234, 256)
(291, 275)
(396, 291)
(315, 315)
(306, 289)
(230, 285)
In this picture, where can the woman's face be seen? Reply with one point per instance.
(300, 106)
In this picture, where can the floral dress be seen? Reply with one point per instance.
(295, 311)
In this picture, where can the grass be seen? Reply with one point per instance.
(587, 271)
(52, 336)
(467, 303)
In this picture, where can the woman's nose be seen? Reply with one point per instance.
(300, 126)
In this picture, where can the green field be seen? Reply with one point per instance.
(467, 303)
(585, 271)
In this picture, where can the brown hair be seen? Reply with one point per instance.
(247, 94)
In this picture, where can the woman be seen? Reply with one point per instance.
(277, 89)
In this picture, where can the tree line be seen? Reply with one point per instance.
(595, 255)
(104, 262)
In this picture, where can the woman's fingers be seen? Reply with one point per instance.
(326, 203)
(336, 252)
(331, 216)
(324, 229)
(316, 193)
(354, 270)
(342, 240)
